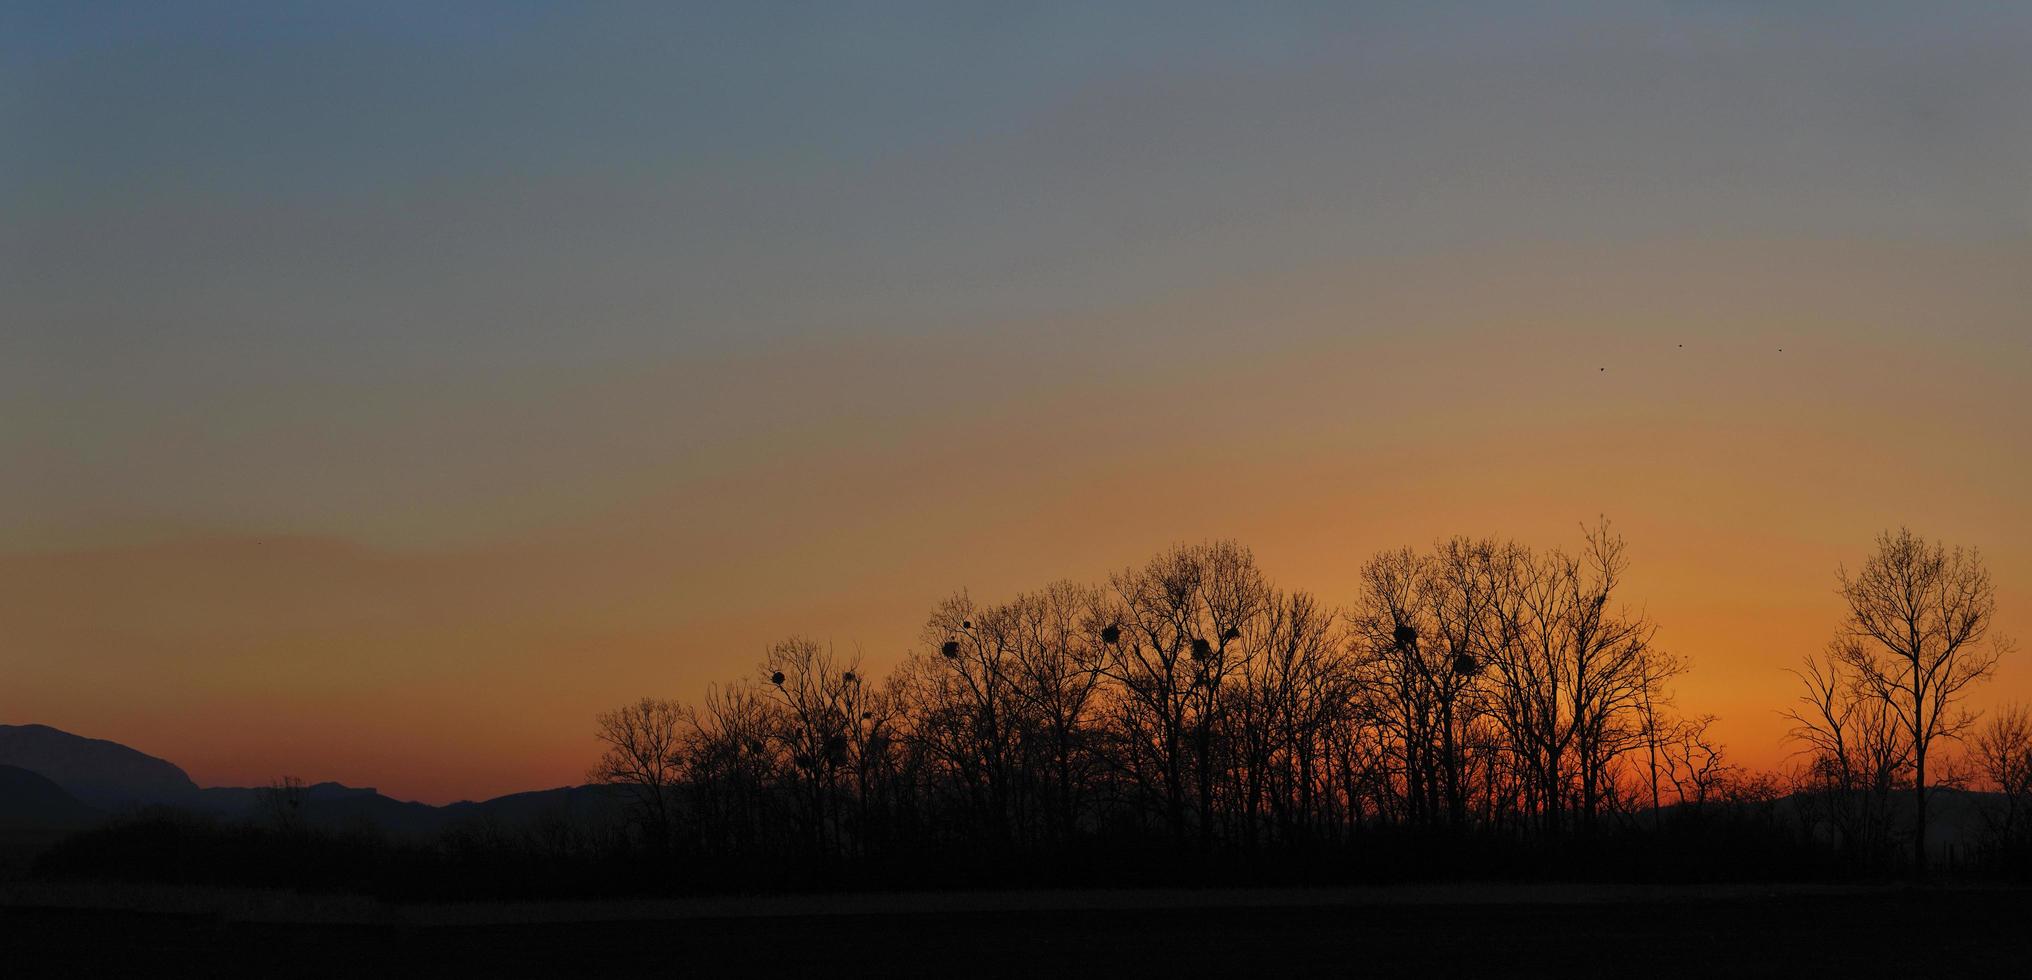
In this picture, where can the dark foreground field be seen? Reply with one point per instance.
(1416, 932)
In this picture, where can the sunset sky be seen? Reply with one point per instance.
(387, 389)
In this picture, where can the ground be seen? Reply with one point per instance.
(1461, 930)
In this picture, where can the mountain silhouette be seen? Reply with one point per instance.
(331, 806)
(576, 802)
(96, 775)
(103, 774)
(334, 806)
(31, 800)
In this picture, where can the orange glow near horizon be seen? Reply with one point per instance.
(458, 647)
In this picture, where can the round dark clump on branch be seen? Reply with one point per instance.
(1233, 633)
(1406, 635)
(950, 649)
(1111, 635)
(966, 624)
(1466, 664)
(776, 678)
(849, 677)
(1201, 649)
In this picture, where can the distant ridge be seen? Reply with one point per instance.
(97, 777)
(334, 806)
(104, 774)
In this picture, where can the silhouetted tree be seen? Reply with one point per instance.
(2002, 753)
(281, 804)
(1293, 694)
(1694, 762)
(1609, 661)
(733, 766)
(644, 759)
(1405, 689)
(1855, 753)
(1479, 688)
(1917, 615)
(818, 696)
(1058, 651)
(1182, 618)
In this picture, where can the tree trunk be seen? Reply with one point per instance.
(1919, 813)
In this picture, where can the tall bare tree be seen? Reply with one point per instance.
(1299, 686)
(644, 759)
(1855, 754)
(1058, 655)
(1613, 667)
(818, 695)
(732, 764)
(1183, 616)
(1918, 613)
(967, 704)
(2002, 753)
(1388, 621)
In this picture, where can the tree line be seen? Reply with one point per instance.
(1189, 709)
(1478, 709)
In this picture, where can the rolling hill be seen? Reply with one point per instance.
(30, 801)
(103, 774)
(68, 780)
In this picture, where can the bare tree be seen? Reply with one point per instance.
(281, 804)
(1299, 686)
(1917, 615)
(732, 765)
(1577, 680)
(2002, 753)
(1058, 654)
(818, 697)
(968, 704)
(644, 759)
(1389, 618)
(1855, 754)
(1469, 597)
(1183, 616)
(1613, 665)
(1694, 761)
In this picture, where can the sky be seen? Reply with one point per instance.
(387, 389)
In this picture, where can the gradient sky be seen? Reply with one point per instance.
(387, 389)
